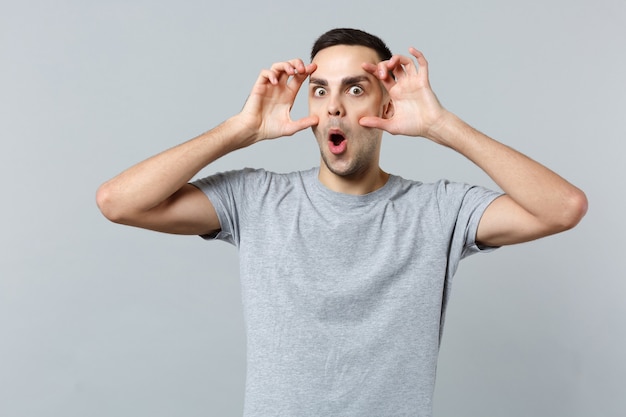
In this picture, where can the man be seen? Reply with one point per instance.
(345, 268)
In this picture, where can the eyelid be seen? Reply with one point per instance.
(357, 86)
(316, 88)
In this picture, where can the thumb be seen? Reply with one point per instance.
(373, 121)
(303, 123)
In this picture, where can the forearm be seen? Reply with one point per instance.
(538, 190)
(149, 183)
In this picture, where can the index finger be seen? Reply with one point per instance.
(421, 60)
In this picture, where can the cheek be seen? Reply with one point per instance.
(314, 107)
(367, 110)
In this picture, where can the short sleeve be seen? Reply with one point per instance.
(227, 192)
(461, 207)
(476, 201)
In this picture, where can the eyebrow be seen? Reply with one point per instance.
(345, 81)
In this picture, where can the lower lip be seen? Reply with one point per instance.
(337, 149)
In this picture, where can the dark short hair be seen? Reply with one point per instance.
(346, 36)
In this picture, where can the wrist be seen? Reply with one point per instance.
(237, 132)
(445, 129)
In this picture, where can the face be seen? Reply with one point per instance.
(340, 93)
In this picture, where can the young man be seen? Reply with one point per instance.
(345, 268)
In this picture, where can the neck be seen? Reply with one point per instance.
(356, 184)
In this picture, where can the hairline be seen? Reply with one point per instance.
(351, 37)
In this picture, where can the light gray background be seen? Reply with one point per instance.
(101, 320)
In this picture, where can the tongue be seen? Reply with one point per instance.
(337, 147)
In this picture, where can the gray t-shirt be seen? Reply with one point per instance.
(344, 295)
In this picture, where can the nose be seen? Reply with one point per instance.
(335, 107)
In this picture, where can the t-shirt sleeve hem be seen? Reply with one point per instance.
(474, 246)
(220, 210)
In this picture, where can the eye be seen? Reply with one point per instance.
(355, 90)
(319, 91)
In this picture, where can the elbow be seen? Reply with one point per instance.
(575, 208)
(108, 204)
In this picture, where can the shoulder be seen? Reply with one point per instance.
(418, 189)
(445, 195)
(252, 180)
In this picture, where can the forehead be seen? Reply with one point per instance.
(343, 60)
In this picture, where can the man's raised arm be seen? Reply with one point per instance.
(155, 193)
(538, 202)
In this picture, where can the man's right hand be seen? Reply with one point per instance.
(155, 194)
(266, 112)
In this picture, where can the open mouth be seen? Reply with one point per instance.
(336, 138)
(337, 142)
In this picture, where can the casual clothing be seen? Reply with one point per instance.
(344, 296)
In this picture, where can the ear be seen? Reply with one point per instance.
(388, 110)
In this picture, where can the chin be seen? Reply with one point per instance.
(344, 170)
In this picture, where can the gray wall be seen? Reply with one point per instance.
(101, 320)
